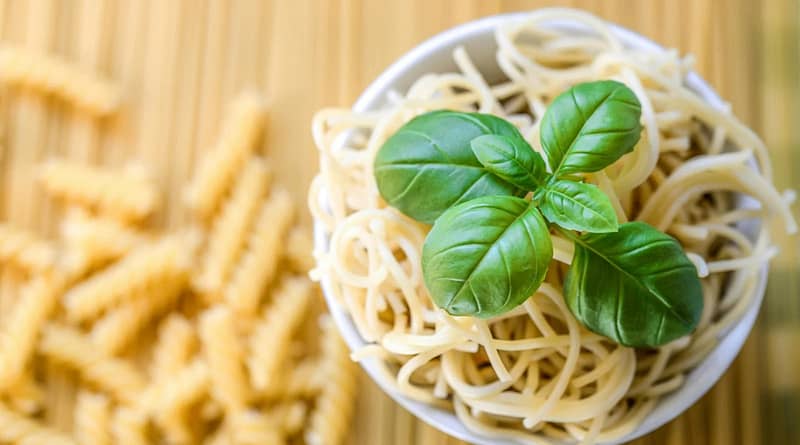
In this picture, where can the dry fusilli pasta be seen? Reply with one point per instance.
(134, 273)
(24, 249)
(291, 416)
(69, 346)
(229, 231)
(25, 395)
(303, 380)
(122, 195)
(129, 427)
(19, 429)
(175, 346)
(238, 138)
(331, 416)
(272, 335)
(225, 357)
(118, 327)
(298, 249)
(54, 76)
(250, 427)
(97, 240)
(92, 419)
(258, 264)
(168, 399)
(19, 335)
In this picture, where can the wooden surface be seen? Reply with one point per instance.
(179, 61)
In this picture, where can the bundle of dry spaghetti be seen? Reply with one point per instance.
(123, 333)
(535, 374)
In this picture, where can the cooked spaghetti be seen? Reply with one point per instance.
(535, 374)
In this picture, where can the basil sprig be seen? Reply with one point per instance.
(427, 166)
(489, 249)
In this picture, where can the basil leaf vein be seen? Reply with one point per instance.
(578, 206)
(590, 126)
(635, 286)
(428, 166)
(511, 159)
(486, 256)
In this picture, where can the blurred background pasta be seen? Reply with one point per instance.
(125, 127)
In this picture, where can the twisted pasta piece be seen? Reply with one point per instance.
(129, 427)
(220, 437)
(121, 195)
(18, 340)
(19, 429)
(225, 358)
(24, 249)
(187, 386)
(229, 230)
(117, 328)
(303, 381)
(26, 395)
(92, 419)
(291, 416)
(334, 406)
(258, 265)
(137, 271)
(299, 248)
(69, 346)
(168, 399)
(271, 337)
(97, 240)
(174, 348)
(240, 132)
(250, 427)
(53, 76)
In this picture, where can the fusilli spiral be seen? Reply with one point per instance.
(18, 429)
(129, 427)
(229, 230)
(25, 395)
(240, 132)
(299, 248)
(92, 419)
(250, 427)
(125, 196)
(69, 346)
(134, 273)
(175, 345)
(271, 337)
(334, 406)
(117, 328)
(19, 335)
(24, 249)
(97, 240)
(54, 76)
(258, 265)
(168, 399)
(225, 357)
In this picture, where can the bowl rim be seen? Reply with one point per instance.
(730, 341)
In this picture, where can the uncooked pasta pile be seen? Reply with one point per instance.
(535, 374)
(120, 333)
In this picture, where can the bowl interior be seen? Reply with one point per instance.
(435, 56)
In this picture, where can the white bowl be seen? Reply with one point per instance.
(435, 55)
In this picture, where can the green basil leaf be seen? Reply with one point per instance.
(590, 126)
(511, 159)
(428, 166)
(578, 206)
(486, 256)
(635, 286)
